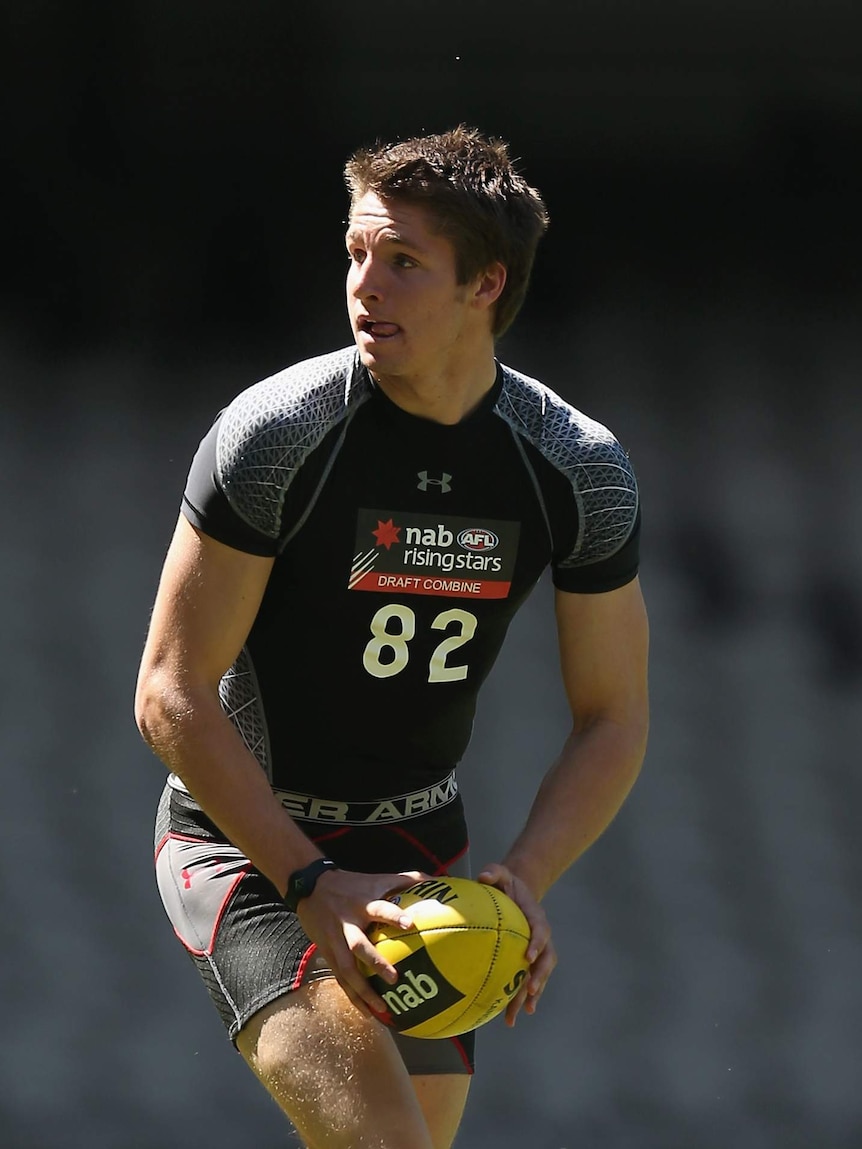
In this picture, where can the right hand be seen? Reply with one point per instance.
(336, 916)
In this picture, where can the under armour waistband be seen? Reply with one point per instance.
(309, 808)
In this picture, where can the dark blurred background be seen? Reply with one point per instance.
(171, 232)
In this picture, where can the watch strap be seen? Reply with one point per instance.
(302, 882)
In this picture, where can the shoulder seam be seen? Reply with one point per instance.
(271, 428)
(586, 452)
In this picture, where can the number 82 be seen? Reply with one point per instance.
(398, 642)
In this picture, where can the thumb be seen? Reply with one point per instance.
(494, 874)
(412, 877)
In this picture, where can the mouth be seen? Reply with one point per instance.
(376, 329)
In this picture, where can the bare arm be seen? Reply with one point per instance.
(208, 598)
(603, 652)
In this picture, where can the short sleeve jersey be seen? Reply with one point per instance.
(402, 550)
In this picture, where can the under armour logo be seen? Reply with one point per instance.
(443, 482)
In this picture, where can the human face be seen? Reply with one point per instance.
(410, 317)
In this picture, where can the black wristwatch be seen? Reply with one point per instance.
(301, 882)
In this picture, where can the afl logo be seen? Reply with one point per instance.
(478, 539)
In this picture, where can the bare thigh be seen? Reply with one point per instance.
(336, 1074)
(442, 1097)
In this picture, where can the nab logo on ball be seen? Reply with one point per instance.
(421, 992)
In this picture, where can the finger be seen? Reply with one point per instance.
(414, 876)
(390, 914)
(540, 935)
(364, 1007)
(533, 995)
(395, 883)
(365, 999)
(542, 969)
(537, 921)
(529, 994)
(351, 980)
(531, 1003)
(354, 981)
(538, 979)
(503, 878)
(497, 875)
(367, 958)
(514, 1006)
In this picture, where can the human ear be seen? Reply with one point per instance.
(489, 286)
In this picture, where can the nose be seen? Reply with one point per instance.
(365, 280)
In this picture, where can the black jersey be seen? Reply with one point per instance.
(403, 548)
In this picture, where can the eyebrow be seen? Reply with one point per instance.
(396, 238)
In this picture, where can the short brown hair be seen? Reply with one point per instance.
(478, 200)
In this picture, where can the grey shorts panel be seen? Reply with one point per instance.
(248, 947)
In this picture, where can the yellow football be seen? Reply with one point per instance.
(460, 964)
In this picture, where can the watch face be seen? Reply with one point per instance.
(293, 893)
(302, 883)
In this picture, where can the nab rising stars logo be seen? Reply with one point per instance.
(437, 554)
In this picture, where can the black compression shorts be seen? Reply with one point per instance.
(248, 947)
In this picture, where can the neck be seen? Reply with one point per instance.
(444, 397)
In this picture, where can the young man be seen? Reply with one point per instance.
(356, 534)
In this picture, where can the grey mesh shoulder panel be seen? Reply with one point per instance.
(241, 701)
(269, 430)
(588, 455)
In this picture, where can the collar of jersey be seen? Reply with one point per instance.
(397, 415)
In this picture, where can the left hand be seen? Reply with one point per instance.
(540, 952)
